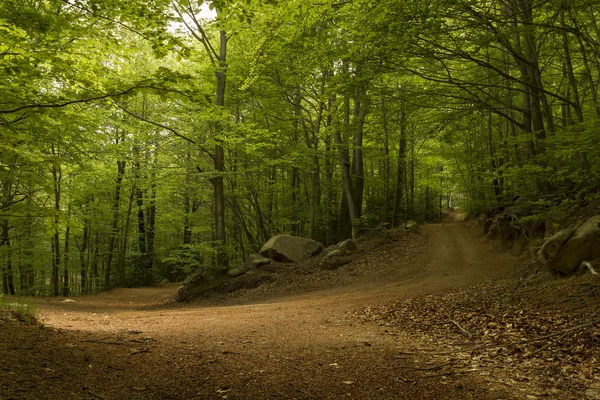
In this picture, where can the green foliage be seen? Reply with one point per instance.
(185, 260)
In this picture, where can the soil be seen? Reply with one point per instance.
(440, 314)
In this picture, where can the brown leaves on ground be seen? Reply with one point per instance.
(547, 335)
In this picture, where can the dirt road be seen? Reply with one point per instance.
(304, 346)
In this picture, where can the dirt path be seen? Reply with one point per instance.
(304, 346)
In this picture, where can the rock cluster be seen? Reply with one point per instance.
(258, 268)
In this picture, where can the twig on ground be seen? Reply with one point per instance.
(546, 346)
(431, 368)
(101, 342)
(95, 395)
(453, 372)
(451, 321)
(138, 351)
(564, 331)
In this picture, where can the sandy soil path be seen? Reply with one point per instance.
(305, 346)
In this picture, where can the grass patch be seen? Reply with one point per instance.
(23, 309)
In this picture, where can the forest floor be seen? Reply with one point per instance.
(436, 315)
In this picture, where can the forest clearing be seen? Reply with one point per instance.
(447, 321)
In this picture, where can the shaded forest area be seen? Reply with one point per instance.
(140, 140)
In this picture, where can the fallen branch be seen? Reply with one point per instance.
(101, 342)
(451, 321)
(97, 396)
(431, 368)
(545, 347)
(564, 331)
(134, 352)
(586, 264)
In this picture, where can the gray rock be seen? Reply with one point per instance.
(348, 245)
(288, 248)
(239, 270)
(584, 245)
(337, 253)
(550, 249)
(329, 249)
(412, 226)
(334, 264)
(256, 260)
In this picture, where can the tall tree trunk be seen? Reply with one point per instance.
(141, 220)
(358, 169)
(65, 291)
(82, 256)
(329, 193)
(219, 160)
(386, 161)
(349, 191)
(115, 223)
(56, 183)
(401, 173)
(8, 285)
(123, 249)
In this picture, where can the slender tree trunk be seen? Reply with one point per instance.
(358, 170)
(56, 180)
(8, 285)
(115, 223)
(386, 162)
(65, 291)
(329, 194)
(151, 224)
(82, 256)
(219, 160)
(401, 173)
(123, 250)
(346, 174)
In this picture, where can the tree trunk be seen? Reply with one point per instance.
(358, 172)
(65, 291)
(82, 257)
(219, 160)
(115, 223)
(8, 285)
(386, 162)
(346, 174)
(56, 183)
(401, 175)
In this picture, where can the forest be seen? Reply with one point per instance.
(140, 140)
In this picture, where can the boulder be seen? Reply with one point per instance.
(347, 244)
(336, 253)
(239, 270)
(341, 249)
(412, 226)
(288, 248)
(550, 249)
(256, 260)
(583, 245)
